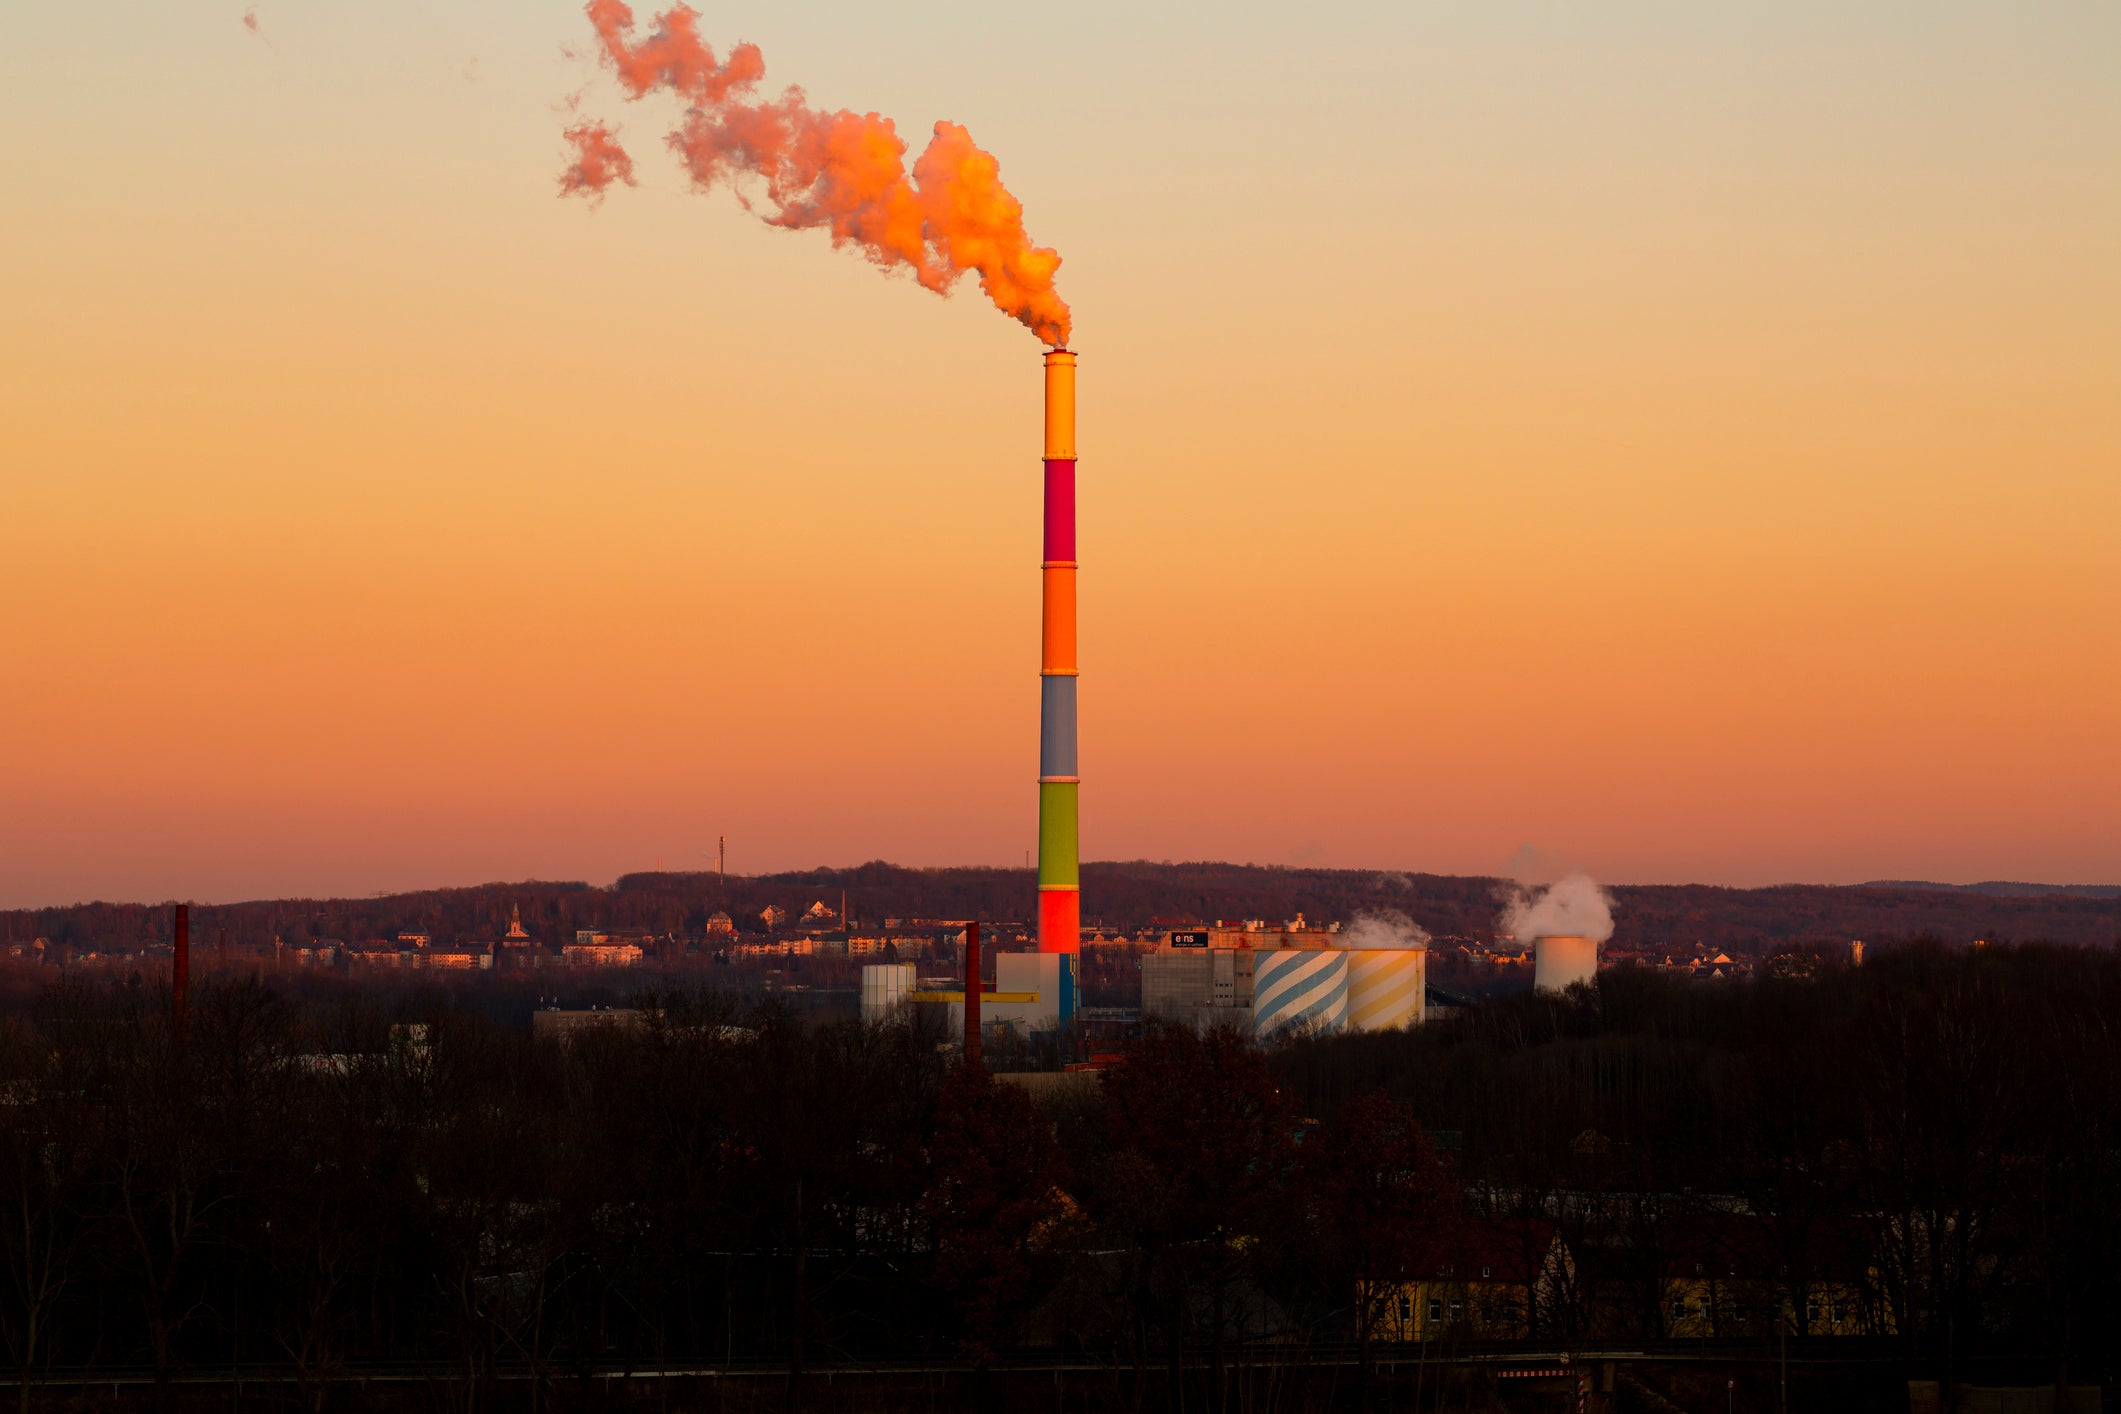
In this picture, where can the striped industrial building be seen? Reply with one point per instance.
(1271, 991)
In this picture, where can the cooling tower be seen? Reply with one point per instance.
(1060, 907)
(1385, 987)
(1299, 987)
(1560, 962)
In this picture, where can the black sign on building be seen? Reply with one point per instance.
(1189, 940)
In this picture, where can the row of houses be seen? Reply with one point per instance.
(1713, 1276)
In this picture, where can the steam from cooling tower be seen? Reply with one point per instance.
(1573, 907)
(1385, 930)
(843, 171)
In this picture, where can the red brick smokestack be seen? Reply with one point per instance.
(972, 994)
(180, 964)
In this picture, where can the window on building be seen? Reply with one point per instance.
(1435, 1308)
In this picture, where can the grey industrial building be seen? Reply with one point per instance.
(1201, 987)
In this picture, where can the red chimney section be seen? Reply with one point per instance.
(972, 994)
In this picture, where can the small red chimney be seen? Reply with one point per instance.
(972, 994)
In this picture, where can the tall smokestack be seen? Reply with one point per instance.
(1060, 899)
(972, 993)
(180, 964)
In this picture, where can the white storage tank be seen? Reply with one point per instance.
(1299, 987)
(1559, 962)
(1385, 987)
(885, 986)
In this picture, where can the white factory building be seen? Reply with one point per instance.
(1033, 993)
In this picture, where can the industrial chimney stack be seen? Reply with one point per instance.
(1060, 910)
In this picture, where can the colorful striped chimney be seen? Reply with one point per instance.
(1060, 907)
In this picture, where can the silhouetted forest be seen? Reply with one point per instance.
(1123, 897)
(1907, 1168)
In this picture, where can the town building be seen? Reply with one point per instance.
(1489, 1281)
(603, 953)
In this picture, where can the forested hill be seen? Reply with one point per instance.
(1122, 896)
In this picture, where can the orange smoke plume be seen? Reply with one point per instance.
(598, 161)
(843, 171)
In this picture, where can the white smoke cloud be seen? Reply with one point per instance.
(1386, 929)
(1573, 907)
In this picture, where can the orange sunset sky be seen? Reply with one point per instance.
(1685, 437)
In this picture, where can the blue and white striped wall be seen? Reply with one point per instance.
(1299, 988)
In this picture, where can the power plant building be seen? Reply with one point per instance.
(1257, 933)
(1050, 977)
(1265, 990)
(1299, 988)
(1200, 987)
(1387, 988)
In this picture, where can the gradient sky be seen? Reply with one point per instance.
(1687, 437)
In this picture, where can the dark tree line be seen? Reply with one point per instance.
(1937, 1131)
(338, 1186)
(333, 1186)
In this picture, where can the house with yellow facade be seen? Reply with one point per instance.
(1494, 1279)
(1724, 1275)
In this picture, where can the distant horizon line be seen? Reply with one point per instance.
(2001, 888)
